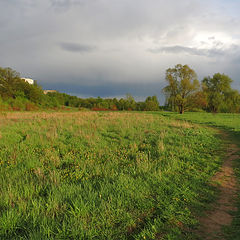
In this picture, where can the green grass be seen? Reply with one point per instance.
(103, 175)
(228, 122)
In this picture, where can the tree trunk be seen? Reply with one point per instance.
(181, 109)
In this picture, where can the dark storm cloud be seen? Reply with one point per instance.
(110, 89)
(77, 47)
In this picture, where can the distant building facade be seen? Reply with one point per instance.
(49, 91)
(28, 80)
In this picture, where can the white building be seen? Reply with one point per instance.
(28, 80)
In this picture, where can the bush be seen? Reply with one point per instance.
(3, 106)
(31, 107)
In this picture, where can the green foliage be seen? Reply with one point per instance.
(103, 176)
(9, 82)
(34, 93)
(151, 104)
(19, 103)
(183, 92)
(128, 103)
(16, 92)
(220, 96)
(182, 83)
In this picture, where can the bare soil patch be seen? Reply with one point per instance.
(220, 214)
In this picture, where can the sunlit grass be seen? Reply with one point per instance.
(231, 123)
(103, 175)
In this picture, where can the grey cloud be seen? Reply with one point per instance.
(188, 50)
(211, 38)
(77, 47)
(39, 38)
(64, 3)
(218, 43)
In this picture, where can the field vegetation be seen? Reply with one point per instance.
(94, 175)
(229, 123)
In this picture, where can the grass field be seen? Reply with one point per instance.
(103, 175)
(230, 123)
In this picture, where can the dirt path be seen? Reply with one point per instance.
(211, 224)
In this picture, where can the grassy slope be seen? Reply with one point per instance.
(230, 123)
(103, 176)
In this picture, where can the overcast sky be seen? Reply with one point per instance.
(109, 48)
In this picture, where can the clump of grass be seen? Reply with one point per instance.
(103, 176)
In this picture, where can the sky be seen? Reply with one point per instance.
(108, 48)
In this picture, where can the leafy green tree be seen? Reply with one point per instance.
(12, 86)
(218, 90)
(140, 106)
(9, 79)
(121, 104)
(34, 93)
(197, 101)
(130, 103)
(182, 83)
(151, 104)
(232, 102)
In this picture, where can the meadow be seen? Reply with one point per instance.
(229, 123)
(95, 175)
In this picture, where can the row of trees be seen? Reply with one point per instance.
(17, 94)
(57, 99)
(183, 92)
(213, 94)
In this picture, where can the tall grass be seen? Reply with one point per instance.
(103, 176)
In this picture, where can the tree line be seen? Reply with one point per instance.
(183, 93)
(16, 94)
(212, 94)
